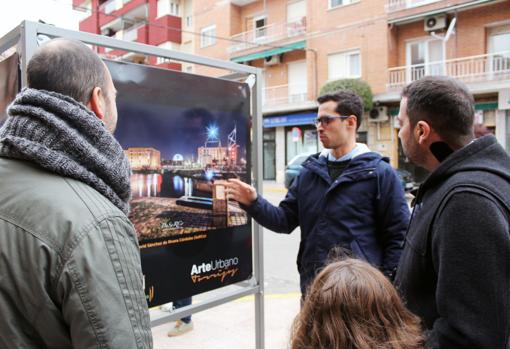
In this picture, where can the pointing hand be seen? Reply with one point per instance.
(241, 192)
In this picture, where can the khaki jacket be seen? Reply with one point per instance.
(70, 274)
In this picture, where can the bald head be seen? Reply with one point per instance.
(68, 67)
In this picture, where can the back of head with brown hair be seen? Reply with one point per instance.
(351, 305)
(446, 104)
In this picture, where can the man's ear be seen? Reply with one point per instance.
(423, 132)
(352, 121)
(96, 103)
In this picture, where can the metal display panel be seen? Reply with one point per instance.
(185, 135)
(9, 83)
(27, 35)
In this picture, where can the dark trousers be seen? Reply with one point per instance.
(183, 303)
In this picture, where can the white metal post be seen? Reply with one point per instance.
(28, 46)
(258, 236)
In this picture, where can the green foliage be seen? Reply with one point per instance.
(358, 86)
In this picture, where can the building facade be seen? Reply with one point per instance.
(212, 156)
(303, 44)
(162, 23)
(475, 50)
(144, 159)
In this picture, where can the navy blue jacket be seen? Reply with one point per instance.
(363, 210)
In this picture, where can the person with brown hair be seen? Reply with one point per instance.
(351, 304)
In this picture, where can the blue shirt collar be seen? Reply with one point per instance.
(359, 149)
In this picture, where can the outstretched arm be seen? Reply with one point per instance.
(281, 219)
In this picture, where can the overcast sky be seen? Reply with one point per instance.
(57, 12)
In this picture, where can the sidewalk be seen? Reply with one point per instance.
(273, 187)
(232, 325)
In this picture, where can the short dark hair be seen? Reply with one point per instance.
(443, 102)
(347, 103)
(68, 67)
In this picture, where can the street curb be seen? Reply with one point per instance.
(250, 298)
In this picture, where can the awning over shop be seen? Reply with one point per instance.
(486, 106)
(393, 111)
(290, 120)
(274, 51)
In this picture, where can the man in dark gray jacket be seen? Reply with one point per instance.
(455, 268)
(70, 274)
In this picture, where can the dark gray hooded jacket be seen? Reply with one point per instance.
(455, 268)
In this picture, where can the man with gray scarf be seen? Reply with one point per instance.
(69, 257)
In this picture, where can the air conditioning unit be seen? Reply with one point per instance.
(378, 114)
(272, 60)
(435, 23)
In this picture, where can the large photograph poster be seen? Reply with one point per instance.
(185, 135)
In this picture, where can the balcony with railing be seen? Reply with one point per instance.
(242, 2)
(109, 6)
(401, 10)
(284, 95)
(268, 34)
(472, 69)
(397, 5)
(111, 11)
(131, 34)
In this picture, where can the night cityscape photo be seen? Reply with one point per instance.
(180, 158)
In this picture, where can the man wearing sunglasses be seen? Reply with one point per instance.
(346, 198)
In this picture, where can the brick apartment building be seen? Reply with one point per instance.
(159, 23)
(478, 53)
(302, 44)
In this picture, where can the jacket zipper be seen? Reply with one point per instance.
(370, 170)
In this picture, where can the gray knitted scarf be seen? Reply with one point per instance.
(64, 137)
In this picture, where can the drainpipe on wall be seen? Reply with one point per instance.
(315, 78)
(98, 26)
(147, 15)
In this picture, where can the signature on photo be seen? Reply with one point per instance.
(172, 225)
